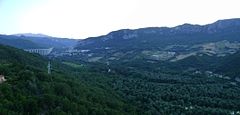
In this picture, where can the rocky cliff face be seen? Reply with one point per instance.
(165, 44)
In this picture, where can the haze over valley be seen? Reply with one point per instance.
(134, 57)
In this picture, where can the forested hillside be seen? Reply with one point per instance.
(34, 42)
(168, 89)
(164, 44)
(28, 88)
(188, 69)
(18, 43)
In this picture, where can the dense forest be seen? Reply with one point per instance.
(28, 88)
(134, 87)
(155, 90)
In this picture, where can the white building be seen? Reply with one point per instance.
(2, 79)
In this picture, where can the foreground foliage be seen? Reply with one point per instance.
(133, 87)
(29, 90)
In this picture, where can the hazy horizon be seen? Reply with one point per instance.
(81, 19)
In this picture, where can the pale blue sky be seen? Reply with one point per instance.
(85, 18)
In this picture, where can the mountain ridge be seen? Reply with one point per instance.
(36, 41)
(31, 35)
(163, 44)
(219, 24)
(189, 69)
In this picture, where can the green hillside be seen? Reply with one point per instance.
(187, 69)
(183, 70)
(29, 42)
(16, 42)
(28, 88)
(230, 65)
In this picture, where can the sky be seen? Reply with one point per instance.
(80, 19)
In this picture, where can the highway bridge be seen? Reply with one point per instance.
(40, 51)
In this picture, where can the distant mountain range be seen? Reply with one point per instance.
(29, 41)
(15, 41)
(202, 45)
(187, 69)
(32, 35)
(182, 47)
(162, 36)
(165, 44)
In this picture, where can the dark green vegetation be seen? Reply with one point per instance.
(30, 90)
(168, 89)
(230, 65)
(161, 88)
(162, 91)
(188, 69)
(74, 88)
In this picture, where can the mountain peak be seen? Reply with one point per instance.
(222, 24)
(229, 21)
(32, 35)
(187, 28)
